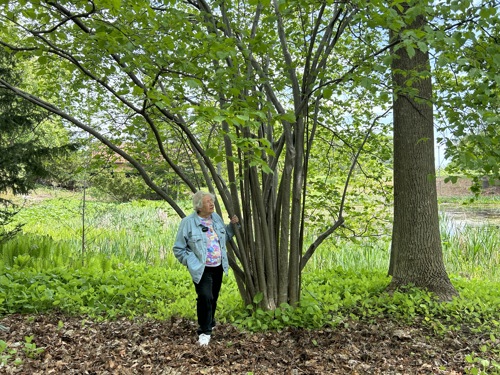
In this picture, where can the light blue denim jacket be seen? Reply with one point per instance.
(190, 246)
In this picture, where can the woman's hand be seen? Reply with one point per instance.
(234, 219)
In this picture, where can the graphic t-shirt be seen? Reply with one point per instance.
(214, 255)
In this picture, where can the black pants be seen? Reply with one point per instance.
(208, 292)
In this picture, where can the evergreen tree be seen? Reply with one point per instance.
(23, 147)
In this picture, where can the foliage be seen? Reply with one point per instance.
(45, 271)
(7, 351)
(484, 365)
(242, 99)
(235, 102)
(470, 247)
(28, 141)
(113, 178)
(27, 138)
(145, 230)
(54, 233)
(7, 212)
(332, 297)
(132, 290)
(477, 202)
(467, 84)
(30, 348)
(120, 186)
(21, 154)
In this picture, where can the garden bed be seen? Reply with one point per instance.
(70, 345)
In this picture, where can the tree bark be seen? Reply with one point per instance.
(416, 252)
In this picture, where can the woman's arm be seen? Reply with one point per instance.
(180, 246)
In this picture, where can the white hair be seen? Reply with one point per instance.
(198, 199)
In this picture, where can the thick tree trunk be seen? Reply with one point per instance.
(416, 253)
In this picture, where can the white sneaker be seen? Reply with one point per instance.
(204, 339)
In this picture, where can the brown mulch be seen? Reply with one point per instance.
(77, 346)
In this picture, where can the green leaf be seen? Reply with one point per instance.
(137, 91)
(219, 118)
(243, 117)
(410, 50)
(422, 46)
(258, 298)
(42, 59)
(487, 12)
(327, 92)
(211, 152)
(267, 169)
(289, 117)
(193, 83)
(117, 4)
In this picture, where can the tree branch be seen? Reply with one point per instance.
(310, 251)
(51, 108)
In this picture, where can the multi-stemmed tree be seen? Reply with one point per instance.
(241, 88)
(250, 100)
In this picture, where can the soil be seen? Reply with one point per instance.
(74, 345)
(462, 188)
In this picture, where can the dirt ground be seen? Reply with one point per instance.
(76, 346)
(462, 188)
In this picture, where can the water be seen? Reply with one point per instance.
(457, 217)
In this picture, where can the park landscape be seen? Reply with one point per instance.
(360, 250)
(132, 313)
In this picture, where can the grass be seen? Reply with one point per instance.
(471, 251)
(137, 231)
(144, 231)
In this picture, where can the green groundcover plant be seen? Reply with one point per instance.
(330, 296)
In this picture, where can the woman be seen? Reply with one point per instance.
(200, 245)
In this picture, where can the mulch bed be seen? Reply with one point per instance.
(75, 345)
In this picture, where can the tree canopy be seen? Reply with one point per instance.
(279, 107)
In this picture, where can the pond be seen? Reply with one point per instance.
(457, 217)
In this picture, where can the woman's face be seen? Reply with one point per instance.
(207, 206)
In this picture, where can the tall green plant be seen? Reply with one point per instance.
(140, 231)
(471, 251)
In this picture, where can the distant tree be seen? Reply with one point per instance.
(416, 252)
(20, 156)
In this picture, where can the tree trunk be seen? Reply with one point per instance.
(416, 252)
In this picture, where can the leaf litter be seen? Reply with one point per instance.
(75, 345)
